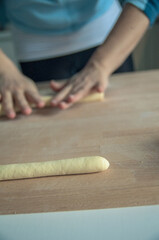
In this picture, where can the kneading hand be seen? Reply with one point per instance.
(92, 78)
(16, 90)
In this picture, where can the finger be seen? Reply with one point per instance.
(7, 105)
(57, 86)
(74, 98)
(78, 92)
(64, 105)
(34, 97)
(0, 97)
(61, 95)
(22, 103)
(101, 86)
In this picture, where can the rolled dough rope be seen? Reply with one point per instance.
(52, 168)
(47, 99)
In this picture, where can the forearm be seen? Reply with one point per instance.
(125, 35)
(6, 64)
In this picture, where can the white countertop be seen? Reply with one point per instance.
(135, 223)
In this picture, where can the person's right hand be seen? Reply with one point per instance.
(16, 90)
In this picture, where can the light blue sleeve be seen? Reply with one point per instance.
(149, 7)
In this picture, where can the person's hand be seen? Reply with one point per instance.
(123, 38)
(92, 78)
(16, 90)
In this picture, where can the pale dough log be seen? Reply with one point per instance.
(52, 168)
(90, 98)
(47, 99)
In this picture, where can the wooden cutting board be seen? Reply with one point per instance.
(124, 129)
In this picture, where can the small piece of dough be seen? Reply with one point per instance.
(47, 99)
(52, 168)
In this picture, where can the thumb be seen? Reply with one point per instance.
(102, 86)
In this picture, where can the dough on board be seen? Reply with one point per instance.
(51, 168)
(47, 99)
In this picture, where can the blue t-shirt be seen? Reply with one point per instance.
(52, 17)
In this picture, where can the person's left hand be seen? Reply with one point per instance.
(92, 78)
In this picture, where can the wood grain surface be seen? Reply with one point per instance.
(124, 129)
